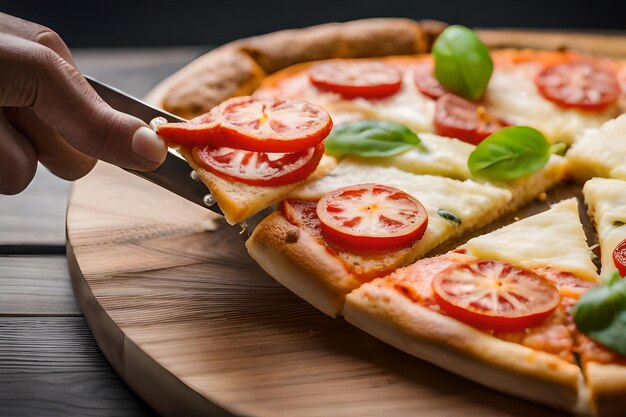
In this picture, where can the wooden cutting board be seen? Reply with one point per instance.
(195, 327)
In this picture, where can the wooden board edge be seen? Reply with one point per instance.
(145, 376)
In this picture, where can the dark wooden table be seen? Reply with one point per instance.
(50, 364)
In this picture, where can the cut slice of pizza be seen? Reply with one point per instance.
(600, 152)
(606, 203)
(605, 370)
(292, 248)
(496, 310)
(251, 153)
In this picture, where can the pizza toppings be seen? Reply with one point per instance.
(509, 154)
(259, 168)
(462, 62)
(495, 295)
(371, 217)
(601, 314)
(371, 138)
(254, 125)
(458, 118)
(579, 85)
(426, 83)
(271, 125)
(619, 258)
(196, 131)
(351, 79)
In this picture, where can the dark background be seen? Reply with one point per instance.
(212, 22)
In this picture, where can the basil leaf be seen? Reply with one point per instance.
(618, 223)
(370, 138)
(601, 314)
(462, 62)
(509, 153)
(448, 215)
(558, 149)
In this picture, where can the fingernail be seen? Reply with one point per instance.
(147, 145)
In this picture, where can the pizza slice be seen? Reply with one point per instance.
(605, 370)
(496, 310)
(292, 247)
(251, 153)
(600, 152)
(606, 202)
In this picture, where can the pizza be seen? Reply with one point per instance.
(380, 144)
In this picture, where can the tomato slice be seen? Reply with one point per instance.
(495, 295)
(458, 118)
(619, 258)
(369, 79)
(426, 83)
(259, 168)
(272, 125)
(196, 131)
(579, 85)
(371, 217)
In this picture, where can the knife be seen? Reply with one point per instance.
(174, 174)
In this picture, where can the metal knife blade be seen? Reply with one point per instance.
(174, 174)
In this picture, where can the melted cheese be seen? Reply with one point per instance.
(554, 238)
(606, 199)
(600, 152)
(469, 200)
(512, 94)
(438, 155)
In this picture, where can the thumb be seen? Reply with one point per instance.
(63, 100)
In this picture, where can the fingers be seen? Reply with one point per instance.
(52, 150)
(61, 98)
(36, 33)
(18, 160)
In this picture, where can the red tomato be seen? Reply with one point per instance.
(369, 79)
(426, 83)
(197, 131)
(495, 295)
(619, 258)
(579, 85)
(458, 118)
(371, 217)
(259, 168)
(271, 125)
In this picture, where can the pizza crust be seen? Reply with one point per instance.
(452, 345)
(240, 201)
(607, 385)
(299, 262)
(237, 68)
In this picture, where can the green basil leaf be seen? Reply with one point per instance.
(448, 215)
(601, 314)
(509, 153)
(462, 62)
(370, 138)
(618, 223)
(558, 149)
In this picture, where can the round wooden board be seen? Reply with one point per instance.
(195, 327)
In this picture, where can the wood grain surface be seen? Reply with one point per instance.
(49, 366)
(192, 311)
(36, 286)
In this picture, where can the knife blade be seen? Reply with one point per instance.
(174, 174)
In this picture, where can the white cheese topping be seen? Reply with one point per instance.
(512, 94)
(606, 199)
(554, 238)
(600, 152)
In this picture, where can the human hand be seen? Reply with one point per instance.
(50, 114)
